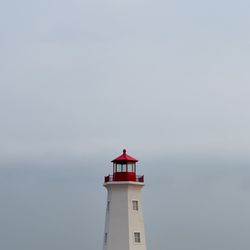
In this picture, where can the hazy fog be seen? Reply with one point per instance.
(81, 80)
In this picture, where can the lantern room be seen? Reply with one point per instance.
(124, 169)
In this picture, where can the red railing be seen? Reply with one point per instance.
(124, 177)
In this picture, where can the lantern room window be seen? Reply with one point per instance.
(118, 168)
(129, 167)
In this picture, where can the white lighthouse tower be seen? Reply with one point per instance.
(124, 225)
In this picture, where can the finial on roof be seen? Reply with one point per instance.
(124, 158)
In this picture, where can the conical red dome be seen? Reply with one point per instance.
(124, 158)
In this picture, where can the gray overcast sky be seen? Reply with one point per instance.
(81, 80)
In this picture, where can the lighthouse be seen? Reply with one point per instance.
(124, 224)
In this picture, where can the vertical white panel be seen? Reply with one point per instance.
(121, 220)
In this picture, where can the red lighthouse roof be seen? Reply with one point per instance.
(124, 158)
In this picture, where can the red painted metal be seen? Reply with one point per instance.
(124, 158)
(124, 169)
(107, 179)
(124, 177)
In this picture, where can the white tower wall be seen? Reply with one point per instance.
(122, 221)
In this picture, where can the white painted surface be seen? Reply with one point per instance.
(121, 220)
